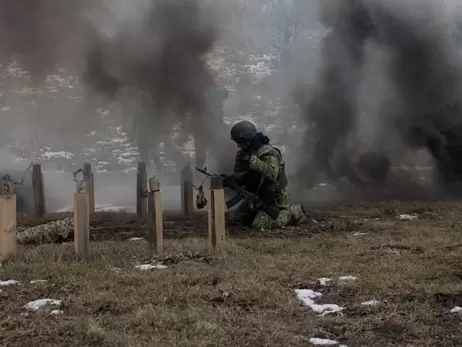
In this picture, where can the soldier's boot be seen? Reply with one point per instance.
(298, 214)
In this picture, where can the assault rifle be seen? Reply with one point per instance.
(241, 193)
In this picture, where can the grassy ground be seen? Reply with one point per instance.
(245, 296)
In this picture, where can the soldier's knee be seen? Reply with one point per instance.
(263, 221)
(260, 224)
(283, 219)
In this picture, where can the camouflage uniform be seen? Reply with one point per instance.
(56, 231)
(262, 171)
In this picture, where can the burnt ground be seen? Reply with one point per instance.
(244, 295)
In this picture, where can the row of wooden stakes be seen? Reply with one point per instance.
(149, 206)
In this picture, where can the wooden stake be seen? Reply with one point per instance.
(37, 187)
(216, 214)
(141, 189)
(7, 221)
(155, 218)
(81, 219)
(90, 179)
(187, 192)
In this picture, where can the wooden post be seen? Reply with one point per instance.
(187, 192)
(141, 190)
(155, 218)
(90, 179)
(81, 219)
(7, 221)
(216, 214)
(37, 187)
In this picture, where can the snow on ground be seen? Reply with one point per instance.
(308, 296)
(8, 283)
(370, 303)
(324, 280)
(146, 267)
(103, 208)
(408, 217)
(347, 278)
(325, 342)
(41, 303)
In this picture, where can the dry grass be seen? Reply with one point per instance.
(245, 295)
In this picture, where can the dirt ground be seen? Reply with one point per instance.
(245, 295)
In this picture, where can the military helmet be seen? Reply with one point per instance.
(243, 131)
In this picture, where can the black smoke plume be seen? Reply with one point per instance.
(160, 53)
(425, 77)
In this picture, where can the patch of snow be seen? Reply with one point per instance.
(323, 342)
(125, 160)
(38, 281)
(136, 239)
(118, 140)
(407, 217)
(323, 281)
(64, 209)
(37, 304)
(60, 154)
(57, 312)
(8, 283)
(307, 296)
(359, 234)
(347, 278)
(456, 309)
(370, 303)
(5, 109)
(145, 267)
(112, 208)
(103, 112)
(304, 294)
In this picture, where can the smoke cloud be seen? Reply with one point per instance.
(120, 49)
(391, 66)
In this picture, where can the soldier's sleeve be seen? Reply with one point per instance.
(267, 164)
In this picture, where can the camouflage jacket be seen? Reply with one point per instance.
(262, 171)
